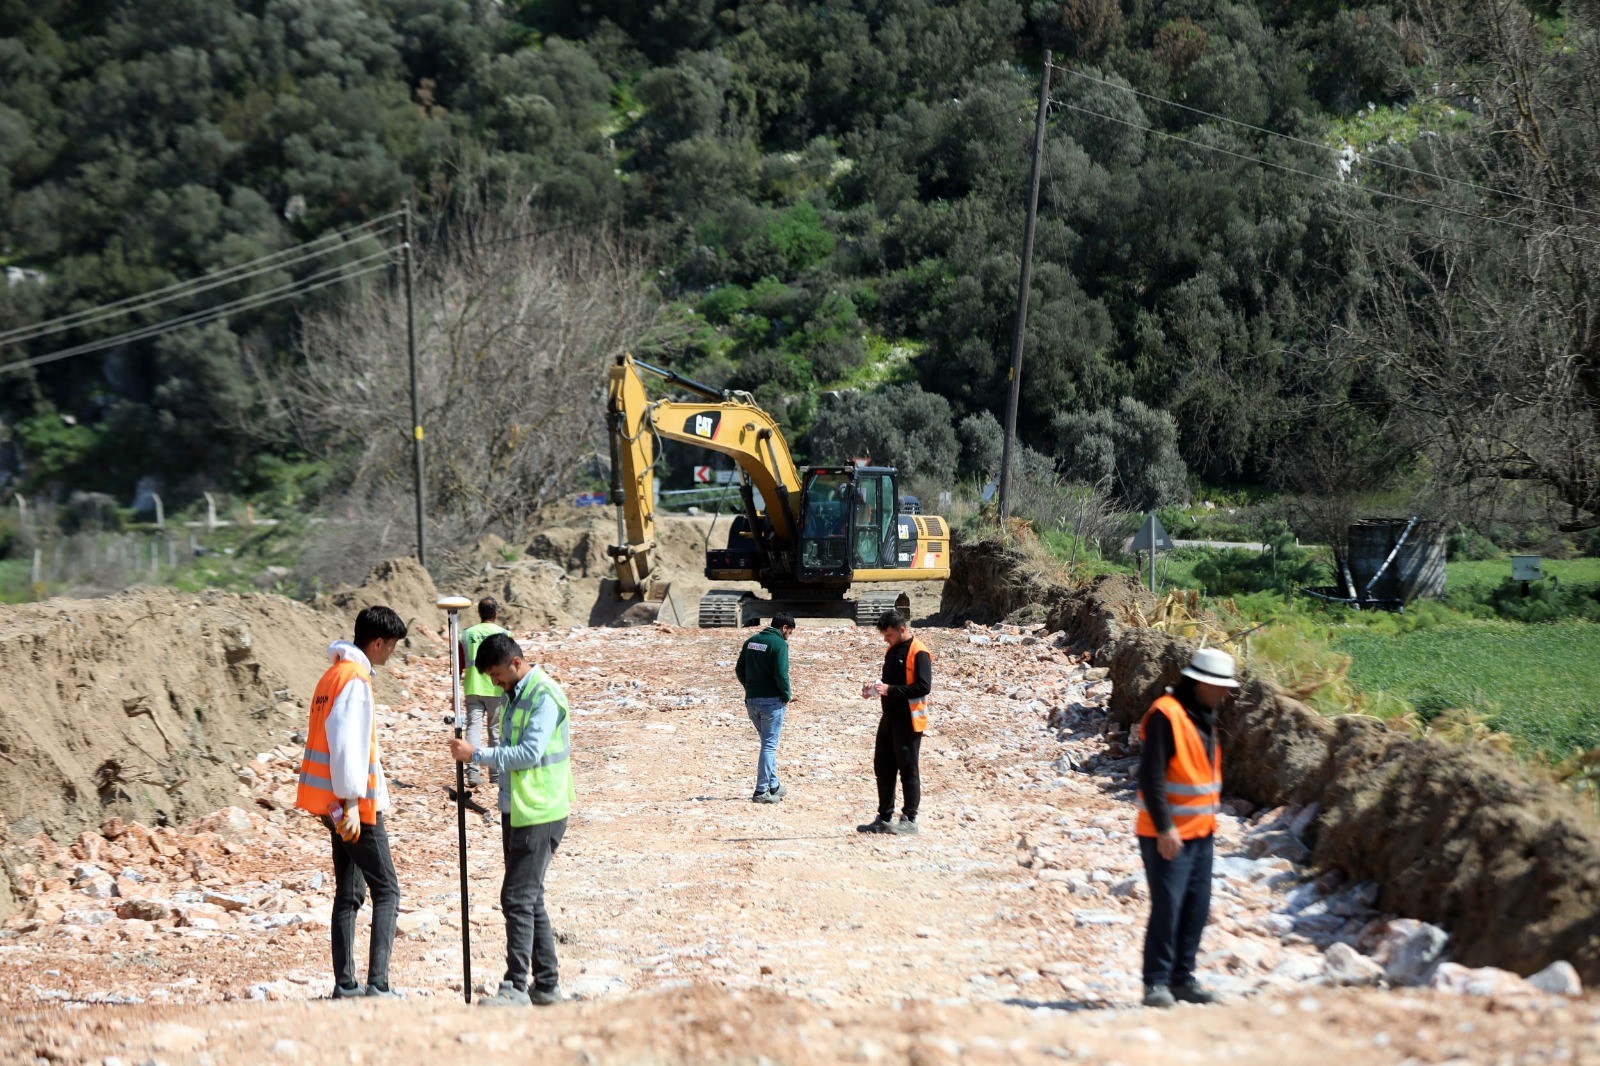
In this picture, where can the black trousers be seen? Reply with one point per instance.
(357, 867)
(1180, 903)
(896, 753)
(529, 936)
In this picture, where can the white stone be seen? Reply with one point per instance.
(1480, 981)
(1344, 965)
(1101, 918)
(1558, 979)
(1414, 953)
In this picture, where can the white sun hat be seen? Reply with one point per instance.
(1212, 666)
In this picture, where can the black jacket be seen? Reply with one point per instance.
(1158, 750)
(897, 703)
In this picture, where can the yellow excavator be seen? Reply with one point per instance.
(806, 536)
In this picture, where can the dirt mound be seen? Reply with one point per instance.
(135, 706)
(533, 594)
(400, 583)
(1456, 836)
(992, 581)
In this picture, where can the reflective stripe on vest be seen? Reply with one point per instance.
(1194, 784)
(315, 793)
(474, 682)
(543, 792)
(919, 708)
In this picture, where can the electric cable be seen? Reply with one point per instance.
(1246, 157)
(342, 272)
(1414, 171)
(178, 290)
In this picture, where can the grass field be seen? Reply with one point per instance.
(1482, 576)
(1534, 682)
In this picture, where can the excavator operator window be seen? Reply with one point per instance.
(874, 533)
(825, 529)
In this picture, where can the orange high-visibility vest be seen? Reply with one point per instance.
(1194, 785)
(919, 708)
(316, 784)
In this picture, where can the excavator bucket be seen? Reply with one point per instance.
(660, 606)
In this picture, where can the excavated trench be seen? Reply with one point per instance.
(1462, 838)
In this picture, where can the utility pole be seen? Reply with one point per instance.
(1022, 291)
(416, 403)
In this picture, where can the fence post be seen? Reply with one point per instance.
(38, 567)
(211, 513)
(161, 515)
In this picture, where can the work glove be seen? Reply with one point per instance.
(346, 822)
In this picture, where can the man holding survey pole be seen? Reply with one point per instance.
(532, 761)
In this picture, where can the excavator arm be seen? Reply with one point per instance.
(720, 421)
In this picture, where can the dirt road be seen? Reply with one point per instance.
(696, 925)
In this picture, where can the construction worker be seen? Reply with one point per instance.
(1180, 791)
(342, 782)
(481, 697)
(763, 670)
(536, 793)
(903, 695)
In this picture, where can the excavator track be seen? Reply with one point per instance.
(872, 604)
(723, 609)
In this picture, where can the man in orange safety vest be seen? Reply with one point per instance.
(342, 783)
(903, 695)
(1180, 792)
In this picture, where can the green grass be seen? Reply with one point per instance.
(1479, 577)
(1532, 682)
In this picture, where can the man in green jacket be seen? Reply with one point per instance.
(763, 670)
(535, 769)
(483, 697)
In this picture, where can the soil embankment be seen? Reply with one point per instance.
(134, 706)
(1510, 866)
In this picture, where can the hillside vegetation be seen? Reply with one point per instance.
(1279, 245)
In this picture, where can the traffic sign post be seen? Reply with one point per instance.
(1152, 538)
(702, 475)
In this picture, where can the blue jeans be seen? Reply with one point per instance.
(1180, 903)
(766, 714)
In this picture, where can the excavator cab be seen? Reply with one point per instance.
(848, 521)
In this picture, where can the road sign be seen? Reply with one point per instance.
(1152, 535)
(1526, 568)
(702, 475)
(590, 499)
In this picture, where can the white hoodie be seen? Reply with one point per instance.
(350, 735)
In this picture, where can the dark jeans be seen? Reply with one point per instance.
(528, 852)
(356, 868)
(896, 753)
(1180, 902)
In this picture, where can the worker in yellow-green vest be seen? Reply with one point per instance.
(533, 760)
(482, 697)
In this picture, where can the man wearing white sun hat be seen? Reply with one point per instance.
(1180, 791)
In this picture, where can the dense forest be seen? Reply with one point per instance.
(1320, 248)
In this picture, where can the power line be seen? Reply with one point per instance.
(279, 260)
(341, 272)
(1527, 227)
(1414, 171)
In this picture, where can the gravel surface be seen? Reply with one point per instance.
(696, 925)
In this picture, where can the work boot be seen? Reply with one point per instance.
(508, 996)
(879, 824)
(546, 997)
(1158, 996)
(1191, 992)
(383, 992)
(905, 827)
(764, 797)
(778, 791)
(347, 992)
(474, 778)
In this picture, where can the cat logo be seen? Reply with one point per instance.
(703, 425)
